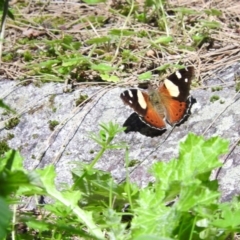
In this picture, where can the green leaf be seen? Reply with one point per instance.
(145, 76)
(5, 106)
(48, 63)
(98, 40)
(103, 68)
(210, 24)
(5, 217)
(229, 217)
(109, 78)
(10, 14)
(13, 160)
(152, 216)
(197, 159)
(121, 32)
(197, 156)
(163, 67)
(185, 47)
(69, 200)
(163, 40)
(151, 237)
(194, 194)
(71, 62)
(94, 1)
(38, 225)
(185, 11)
(213, 12)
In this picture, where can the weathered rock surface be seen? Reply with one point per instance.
(70, 141)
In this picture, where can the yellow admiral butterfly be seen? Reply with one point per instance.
(170, 103)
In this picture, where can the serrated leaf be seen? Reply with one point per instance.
(194, 194)
(229, 218)
(145, 76)
(197, 156)
(69, 199)
(153, 217)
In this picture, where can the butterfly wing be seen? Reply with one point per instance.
(139, 101)
(175, 95)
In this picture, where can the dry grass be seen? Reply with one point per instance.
(58, 18)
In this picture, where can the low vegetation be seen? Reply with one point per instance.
(98, 42)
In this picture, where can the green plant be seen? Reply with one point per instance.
(182, 203)
(13, 122)
(4, 147)
(81, 99)
(53, 124)
(214, 98)
(237, 88)
(6, 107)
(104, 139)
(214, 89)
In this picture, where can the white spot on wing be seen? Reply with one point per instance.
(130, 101)
(186, 80)
(178, 74)
(130, 93)
(141, 100)
(172, 88)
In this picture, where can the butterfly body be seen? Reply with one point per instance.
(169, 103)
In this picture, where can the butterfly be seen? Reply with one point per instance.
(169, 103)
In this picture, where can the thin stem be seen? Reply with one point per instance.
(99, 155)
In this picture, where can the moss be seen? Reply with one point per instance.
(27, 56)
(52, 98)
(5, 113)
(3, 147)
(219, 88)
(8, 57)
(54, 109)
(81, 99)
(237, 88)
(13, 122)
(51, 102)
(133, 162)
(35, 136)
(53, 124)
(214, 98)
(10, 136)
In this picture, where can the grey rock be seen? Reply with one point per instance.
(70, 142)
